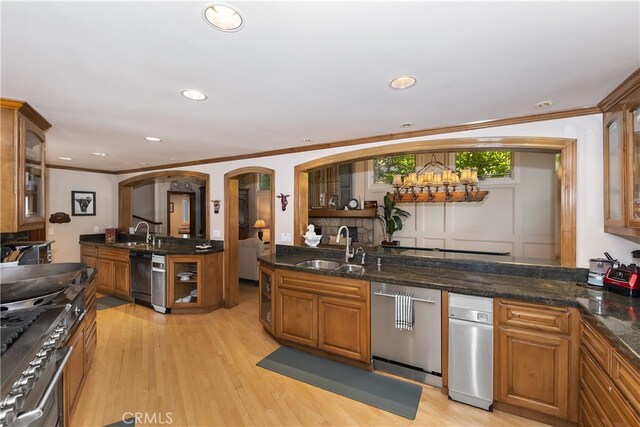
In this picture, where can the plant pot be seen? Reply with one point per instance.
(393, 243)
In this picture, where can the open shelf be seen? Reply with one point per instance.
(336, 213)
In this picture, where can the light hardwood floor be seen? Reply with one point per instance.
(200, 370)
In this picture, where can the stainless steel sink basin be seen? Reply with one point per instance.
(319, 264)
(133, 245)
(350, 268)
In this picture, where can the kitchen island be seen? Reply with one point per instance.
(192, 269)
(544, 316)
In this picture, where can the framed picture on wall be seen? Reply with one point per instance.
(83, 203)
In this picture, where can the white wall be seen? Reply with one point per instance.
(60, 183)
(517, 216)
(587, 130)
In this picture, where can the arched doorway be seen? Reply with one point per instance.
(126, 191)
(231, 227)
(564, 147)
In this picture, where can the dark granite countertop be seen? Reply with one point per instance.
(169, 245)
(616, 316)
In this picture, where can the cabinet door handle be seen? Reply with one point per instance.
(609, 387)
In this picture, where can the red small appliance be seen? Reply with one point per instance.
(623, 280)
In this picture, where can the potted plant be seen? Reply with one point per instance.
(392, 218)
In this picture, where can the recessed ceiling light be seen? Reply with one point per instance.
(307, 140)
(173, 159)
(223, 17)
(65, 158)
(403, 82)
(99, 154)
(142, 164)
(406, 125)
(194, 94)
(544, 104)
(152, 139)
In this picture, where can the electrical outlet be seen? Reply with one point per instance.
(52, 231)
(216, 233)
(96, 229)
(285, 237)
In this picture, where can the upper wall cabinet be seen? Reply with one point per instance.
(22, 167)
(622, 158)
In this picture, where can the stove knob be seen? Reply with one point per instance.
(15, 399)
(35, 371)
(7, 416)
(45, 353)
(26, 382)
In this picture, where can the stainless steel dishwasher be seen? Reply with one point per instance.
(471, 350)
(159, 283)
(140, 276)
(411, 354)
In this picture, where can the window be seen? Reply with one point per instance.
(385, 167)
(490, 164)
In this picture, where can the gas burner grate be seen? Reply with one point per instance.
(13, 324)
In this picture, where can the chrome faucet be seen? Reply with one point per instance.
(143, 223)
(363, 254)
(347, 254)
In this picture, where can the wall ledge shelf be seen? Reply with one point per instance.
(337, 213)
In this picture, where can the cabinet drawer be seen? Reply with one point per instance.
(534, 317)
(597, 345)
(114, 254)
(603, 395)
(588, 415)
(88, 250)
(627, 379)
(324, 285)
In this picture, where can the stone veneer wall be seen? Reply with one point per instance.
(330, 227)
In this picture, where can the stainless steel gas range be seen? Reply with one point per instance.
(35, 323)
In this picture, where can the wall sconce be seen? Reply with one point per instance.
(283, 200)
(216, 206)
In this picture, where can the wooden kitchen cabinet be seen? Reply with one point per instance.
(113, 272)
(74, 371)
(328, 314)
(90, 324)
(609, 383)
(622, 159)
(267, 299)
(536, 359)
(22, 167)
(202, 290)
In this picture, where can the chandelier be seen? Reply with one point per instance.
(435, 182)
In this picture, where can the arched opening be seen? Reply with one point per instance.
(232, 227)
(565, 148)
(199, 193)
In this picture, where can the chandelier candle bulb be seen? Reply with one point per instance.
(474, 176)
(412, 179)
(437, 179)
(397, 180)
(429, 178)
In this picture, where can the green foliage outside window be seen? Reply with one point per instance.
(385, 167)
(490, 164)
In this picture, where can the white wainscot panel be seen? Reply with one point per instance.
(483, 245)
(405, 241)
(539, 250)
(494, 215)
(409, 224)
(433, 243)
(430, 217)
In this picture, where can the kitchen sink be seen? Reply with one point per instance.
(350, 268)
(319, 264)
(133, 245)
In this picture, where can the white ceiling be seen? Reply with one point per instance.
(107, 74)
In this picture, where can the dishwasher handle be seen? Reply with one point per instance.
(382, 294)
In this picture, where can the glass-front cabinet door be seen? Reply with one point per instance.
(614, 169)
(633, 168)
(267, 281)
(31, 185)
